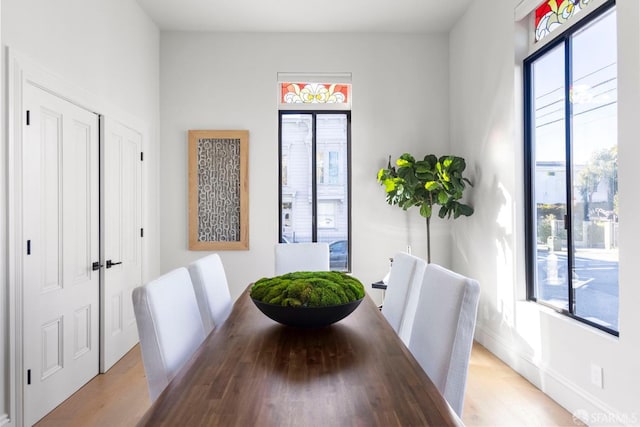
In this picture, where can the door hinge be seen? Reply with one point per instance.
(28, 376)
(142, 232)
(28, 247)
(142, 156)
(28, 117)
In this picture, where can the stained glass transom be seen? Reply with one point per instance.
(314, 93)
(553, 14)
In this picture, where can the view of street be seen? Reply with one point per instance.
(594, 280)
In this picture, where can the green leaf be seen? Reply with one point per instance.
(407, 203)
(431, 159)
(380, 174)
(443, 211)
(466, 210)
(442, 197)
(425, 176)
(408, 157)
(457, 186)
(458, 164)
(402, 163)
(423, 167)
(431, 185)
(389, 185)
(425, 210)
(410, 177)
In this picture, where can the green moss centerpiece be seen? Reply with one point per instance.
(308, 299)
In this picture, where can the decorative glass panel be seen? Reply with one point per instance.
(553, 14)
(314, 93)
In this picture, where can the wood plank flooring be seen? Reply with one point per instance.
(496, 396)
(117, 398)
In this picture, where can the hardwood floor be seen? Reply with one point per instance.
(117, 398)
(496, 396)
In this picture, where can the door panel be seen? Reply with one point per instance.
(122, 239)
(60, 231)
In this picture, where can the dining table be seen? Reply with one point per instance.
(253, 371)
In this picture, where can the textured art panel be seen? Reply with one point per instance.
(218, 190)
(217, 193)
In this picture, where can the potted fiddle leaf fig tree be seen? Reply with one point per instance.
(427, 183)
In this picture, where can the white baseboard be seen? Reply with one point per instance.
(579, 402)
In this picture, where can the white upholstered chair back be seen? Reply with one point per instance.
(411, 300)
(292, 257)
(443, 328)
(212, 290)
(401, 296)
(169, 326)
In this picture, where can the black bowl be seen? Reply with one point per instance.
(307, 317)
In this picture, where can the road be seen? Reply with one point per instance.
(595, 281)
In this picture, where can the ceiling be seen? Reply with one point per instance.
(352, 16)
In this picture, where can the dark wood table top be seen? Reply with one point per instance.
(252, 371)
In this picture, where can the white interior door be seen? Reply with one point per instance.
(60, 231)
(122, 239)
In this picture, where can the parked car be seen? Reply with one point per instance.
(339, 255)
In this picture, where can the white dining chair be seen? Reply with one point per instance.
(411, 300)
(443, 328)
(292, 257)
(400, 300)
(169, 326)
(212, 290)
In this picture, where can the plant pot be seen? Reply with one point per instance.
(307, 317)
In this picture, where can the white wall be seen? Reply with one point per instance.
(228, 81)
(552, 351)
(109, 52)
(5, 401)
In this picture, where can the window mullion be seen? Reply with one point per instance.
(568, 79)
(280, 224)
(314, 181)
(529, 162)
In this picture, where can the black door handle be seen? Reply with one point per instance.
(111, 264)
(96, 266)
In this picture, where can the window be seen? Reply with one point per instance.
(571, 171)
(553, 14)
(314, 150)
(314, 93)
